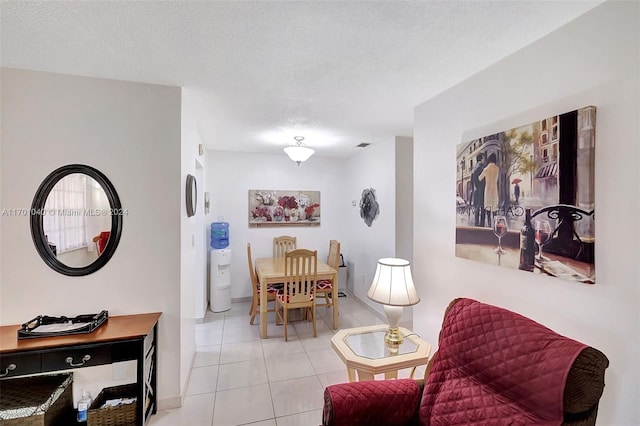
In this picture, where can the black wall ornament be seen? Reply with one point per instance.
(46, 250)
(369, 207)
(191, 195)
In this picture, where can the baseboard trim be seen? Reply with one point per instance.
(177, 401)
(169, 403)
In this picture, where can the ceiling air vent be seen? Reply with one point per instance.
(363, 145)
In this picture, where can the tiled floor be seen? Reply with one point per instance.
(240, 379)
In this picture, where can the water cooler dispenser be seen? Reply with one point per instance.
(220, 278)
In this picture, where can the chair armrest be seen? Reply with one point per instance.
(380, 403)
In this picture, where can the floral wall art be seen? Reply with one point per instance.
(284, 208)
(545, 167)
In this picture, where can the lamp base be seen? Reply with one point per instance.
(392, 337)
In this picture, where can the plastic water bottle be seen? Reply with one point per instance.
(84, 403)
(219, 235)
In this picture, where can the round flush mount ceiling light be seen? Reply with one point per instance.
(299, 152)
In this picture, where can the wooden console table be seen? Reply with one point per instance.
(121, 338)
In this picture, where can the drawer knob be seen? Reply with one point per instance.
(10, 367)
(85, 358)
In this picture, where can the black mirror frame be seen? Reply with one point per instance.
(37, 211)
(191, 195)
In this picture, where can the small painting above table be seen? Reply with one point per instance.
(283, 208)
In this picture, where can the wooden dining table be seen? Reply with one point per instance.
(270, 270)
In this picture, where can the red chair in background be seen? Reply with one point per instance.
(101, 241)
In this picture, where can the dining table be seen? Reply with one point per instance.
(270, 270)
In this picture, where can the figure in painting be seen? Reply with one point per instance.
(516, 192)
(477, 194)
(490, 176)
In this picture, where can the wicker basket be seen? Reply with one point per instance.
(123, 415)
(37, 401)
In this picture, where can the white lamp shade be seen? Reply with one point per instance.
(393, 284)
(299, 153)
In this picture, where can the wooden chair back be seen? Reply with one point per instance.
(333, 259)
(252, 272)
(300, 273)
(283, 244)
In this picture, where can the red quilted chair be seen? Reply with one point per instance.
(101, 241)
(492, 367)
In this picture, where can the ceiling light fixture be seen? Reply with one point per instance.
(299, 152)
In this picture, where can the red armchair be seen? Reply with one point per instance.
(492, 367)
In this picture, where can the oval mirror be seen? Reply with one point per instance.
(191, 195)
(76, 220)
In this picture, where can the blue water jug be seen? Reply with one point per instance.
(219, 235)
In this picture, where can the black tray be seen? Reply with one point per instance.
(46, 326)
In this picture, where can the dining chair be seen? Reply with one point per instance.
(255, 285)
(283, 244)
(325, 287)
(300, 273)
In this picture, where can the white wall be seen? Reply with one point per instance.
(593, 60)
(373, 168)
(230, 176)
(130, 132)
(404, 197)
(192, 260)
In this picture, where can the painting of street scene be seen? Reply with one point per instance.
(525, 197)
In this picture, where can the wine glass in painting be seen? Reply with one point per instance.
(500, 229)
(543, 235)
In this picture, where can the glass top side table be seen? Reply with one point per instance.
(363, 350)
(371, 345)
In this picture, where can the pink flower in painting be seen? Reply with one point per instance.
(309, 209)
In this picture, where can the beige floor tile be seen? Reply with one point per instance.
(334, 377)
(207, 355)
(296, 396)
(348, 321)
(366, 317)
(287, 367)
(196, 411)
(241, 351)
(325, 361)
(241, 374)
(243, 405)
(310, 418)
(213, 323)
(270, 422)
(323, 341)
(305, 328)
(271, 347)
(203, 380)
(209, 337)
(240, 334)
(236, 321)
(253, 375)
(238, 308)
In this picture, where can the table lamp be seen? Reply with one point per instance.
(393, 287)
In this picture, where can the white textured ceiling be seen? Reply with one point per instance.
(258, 73)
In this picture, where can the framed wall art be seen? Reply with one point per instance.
(284, 208)
(525, 197)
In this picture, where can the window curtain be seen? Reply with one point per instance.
(64, 224)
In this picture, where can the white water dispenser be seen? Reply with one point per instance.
(220, 280)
